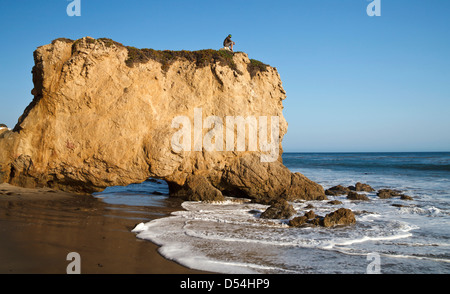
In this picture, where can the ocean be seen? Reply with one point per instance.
(412, 237)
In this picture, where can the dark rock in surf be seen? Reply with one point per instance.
(342, 216)
(360, 187)
(388, 193)
(398, 205)
(355, 196)
(298, 221)
(406, 197)
(337, 190)
(280, 209)
(198, 188)
(310, 214)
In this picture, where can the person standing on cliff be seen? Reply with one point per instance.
(228, 43)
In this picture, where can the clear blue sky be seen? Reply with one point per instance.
(354, 82)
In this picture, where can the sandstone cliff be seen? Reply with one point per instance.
(103, 115)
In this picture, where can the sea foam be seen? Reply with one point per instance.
(230, 237)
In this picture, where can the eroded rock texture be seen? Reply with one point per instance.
(99, 120)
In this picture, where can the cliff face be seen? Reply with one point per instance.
(99, 120)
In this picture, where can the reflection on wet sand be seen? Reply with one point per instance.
(38, 228)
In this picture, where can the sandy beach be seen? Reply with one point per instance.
(39, 227)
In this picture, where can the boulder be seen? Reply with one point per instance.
(337, 190)
(398, 205)
(303, 188)
(310, 214)
(280, 209)
(406, 197)
(355, 196)
(334, 202)
(317, 221)
(247, 177)
(388, 193)
(198, 188)
(359, 187)
(302, 220)
(298, 221)
(342, 216)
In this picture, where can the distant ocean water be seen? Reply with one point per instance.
(230, 237)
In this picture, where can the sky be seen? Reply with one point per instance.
(354, 83)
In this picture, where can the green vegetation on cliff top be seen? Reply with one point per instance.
(201, 58)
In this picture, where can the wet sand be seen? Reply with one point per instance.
(39, 227)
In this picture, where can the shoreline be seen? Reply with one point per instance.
(40, 227)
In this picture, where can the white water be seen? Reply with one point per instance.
(230, 237)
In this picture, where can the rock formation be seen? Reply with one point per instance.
(388, 193)
(405, 197)
(340, 217)
(298, 221)
(337, 190)
(360, 187)
(341, 190)
(103, 115)
(355, 196)
(281, 209)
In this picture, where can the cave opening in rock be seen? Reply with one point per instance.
(151, 192)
